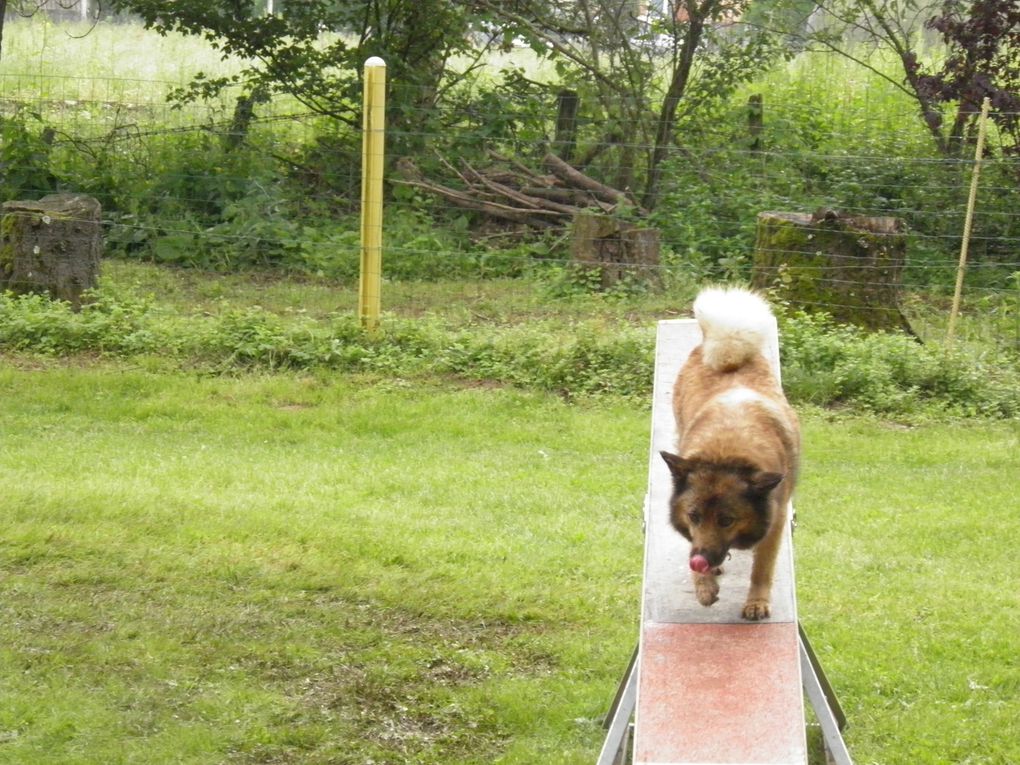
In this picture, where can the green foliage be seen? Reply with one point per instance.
(506, 112)
(315, 52)
(893, 374)
(25, 163)
(585, 361)
(279, 200)
(190, 201)
(573, 280)
(837, 139)
(106, 325)
(823, 363)
(709, 219)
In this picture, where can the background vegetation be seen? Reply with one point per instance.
(229, 175)
(522, 332)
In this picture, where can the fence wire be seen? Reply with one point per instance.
(278, 185)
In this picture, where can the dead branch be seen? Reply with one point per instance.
(412, 177)
(512, 191)
(577, 179)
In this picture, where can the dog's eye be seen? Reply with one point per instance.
(694, 517)
(724, 521)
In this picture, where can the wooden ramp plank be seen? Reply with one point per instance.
(712, 688)
(720, 693)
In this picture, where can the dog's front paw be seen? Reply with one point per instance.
(706, 588)
(755, 609)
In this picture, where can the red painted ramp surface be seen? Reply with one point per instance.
(720, 693)
(712, 687)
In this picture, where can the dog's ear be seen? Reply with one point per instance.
(762, 482)
(678, 466)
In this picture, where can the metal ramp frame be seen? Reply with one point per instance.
(704, 685)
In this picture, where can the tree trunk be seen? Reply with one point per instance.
(3, 12)
(51, 246)
(244, 115)
(566, 124)
(676, 91)
(848, 267)
(614, 249)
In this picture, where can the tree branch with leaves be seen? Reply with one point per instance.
(980, 39)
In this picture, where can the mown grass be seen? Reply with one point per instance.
(299, 569)
(988, 325)
(311, 568)
(454, 301)
(906, 564)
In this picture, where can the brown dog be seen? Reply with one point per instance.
(739, 444)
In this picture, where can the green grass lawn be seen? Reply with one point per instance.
(336, 569)
(292, 569)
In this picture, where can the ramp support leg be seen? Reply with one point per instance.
(617, 724)
(823, 700)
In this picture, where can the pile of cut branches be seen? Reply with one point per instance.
(511, 191)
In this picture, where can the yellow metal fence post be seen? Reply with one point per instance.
(372, 150)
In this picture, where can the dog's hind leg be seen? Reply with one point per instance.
(762, 568)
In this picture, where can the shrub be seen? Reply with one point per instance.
(104, 325)
(25, 166)
(888, 373)
(823, 363)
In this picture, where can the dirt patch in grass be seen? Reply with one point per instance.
(320, 673)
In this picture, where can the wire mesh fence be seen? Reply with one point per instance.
(238, 180)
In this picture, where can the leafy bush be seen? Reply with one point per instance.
(265, 223)
(105, 325)
(25, 162)
(570, 280)
(830, 364)
(708, 220)
(839, 137)
(824, 363)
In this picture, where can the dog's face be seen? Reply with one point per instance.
(719, 506)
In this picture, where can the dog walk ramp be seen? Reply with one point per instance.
(708, 686)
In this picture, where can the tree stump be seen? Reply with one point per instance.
(849, 267)
(614, 249)
(51, 246)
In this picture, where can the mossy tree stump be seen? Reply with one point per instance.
(614, 249)
(849, 267)
(51, 246)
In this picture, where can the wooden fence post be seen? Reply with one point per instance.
(968, 223)
(755, 121)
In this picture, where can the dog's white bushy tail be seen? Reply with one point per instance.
(736, 324)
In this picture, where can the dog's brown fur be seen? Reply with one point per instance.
(739, 443)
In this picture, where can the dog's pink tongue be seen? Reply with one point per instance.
(700, 564)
